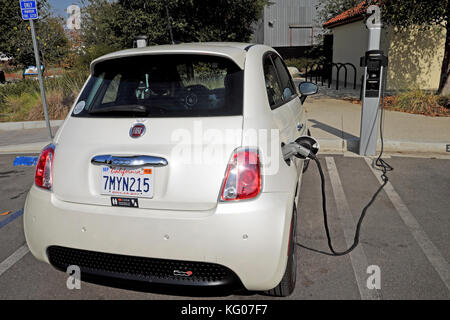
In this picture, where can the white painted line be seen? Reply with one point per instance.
(429, 249)
(357, 256)
(12, 259)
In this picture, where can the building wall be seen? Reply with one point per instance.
(349, 44)
(273, 29)
(415, 56)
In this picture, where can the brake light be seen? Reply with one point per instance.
(44, 168)
(243, 176)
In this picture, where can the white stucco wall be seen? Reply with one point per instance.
(349, 44)
(415, 56)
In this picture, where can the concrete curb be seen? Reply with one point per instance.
(340, 145)
(20, 125)
(326, 145)
(35, 147)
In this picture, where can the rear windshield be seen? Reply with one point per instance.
(163, 86)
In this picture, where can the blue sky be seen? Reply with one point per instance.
(59, 6)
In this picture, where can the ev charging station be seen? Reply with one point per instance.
(374, 63)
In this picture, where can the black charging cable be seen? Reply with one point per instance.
(380, 163)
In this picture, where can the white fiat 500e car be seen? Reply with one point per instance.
(169, 170)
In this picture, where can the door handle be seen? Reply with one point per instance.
(128, 161)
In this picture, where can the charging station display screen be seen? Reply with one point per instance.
(373, 62)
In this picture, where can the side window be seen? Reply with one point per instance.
(285, 79)
(274, 92)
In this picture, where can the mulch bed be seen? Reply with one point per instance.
(389, 101)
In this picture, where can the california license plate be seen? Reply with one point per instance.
(127, 182)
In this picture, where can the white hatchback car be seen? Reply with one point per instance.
(169, 170)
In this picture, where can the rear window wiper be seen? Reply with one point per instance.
(121, 108)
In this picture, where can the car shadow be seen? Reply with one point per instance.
(352, 140)
(334, 131)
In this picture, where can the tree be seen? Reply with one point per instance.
(15, 34)
(98, 20)
(53, 42)
(117, 24)
(327, 9)
(423, 14)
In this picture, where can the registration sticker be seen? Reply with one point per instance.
(124, 202)
(127, 182)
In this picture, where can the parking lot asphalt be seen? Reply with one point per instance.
(405, 235)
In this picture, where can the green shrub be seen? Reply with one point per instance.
(18, 88)
(70, 82)
(17, 107)
(419, 102)
(444, 101)
(300, 63)
(19, 98)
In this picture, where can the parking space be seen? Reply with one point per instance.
(405, 234)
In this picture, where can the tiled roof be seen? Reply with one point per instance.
(350, 15)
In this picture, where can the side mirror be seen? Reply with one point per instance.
(307, 89)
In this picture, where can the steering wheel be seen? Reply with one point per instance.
(193, 93)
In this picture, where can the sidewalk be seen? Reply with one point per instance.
(336, 124)
(25, 140)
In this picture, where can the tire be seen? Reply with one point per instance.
(287, 283)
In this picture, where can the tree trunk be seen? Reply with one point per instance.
(444, 83)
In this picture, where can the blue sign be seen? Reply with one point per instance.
(29, 9)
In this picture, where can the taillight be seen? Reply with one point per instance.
(44, 168)
(243, 176)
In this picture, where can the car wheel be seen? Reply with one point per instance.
(287, 283)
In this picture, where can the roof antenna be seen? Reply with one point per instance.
(140, 42)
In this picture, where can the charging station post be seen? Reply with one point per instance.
(374, 63)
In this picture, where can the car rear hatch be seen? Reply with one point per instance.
(187, 121)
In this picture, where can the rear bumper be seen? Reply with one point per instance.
(250, 238)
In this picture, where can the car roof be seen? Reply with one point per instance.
(235, 51)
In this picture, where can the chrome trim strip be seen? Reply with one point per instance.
(128, 161)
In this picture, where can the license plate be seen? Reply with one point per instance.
(127, 182)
